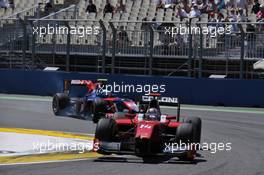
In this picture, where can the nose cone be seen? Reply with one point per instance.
(145, 129)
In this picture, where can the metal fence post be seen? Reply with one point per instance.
(201, 53)
(227, 45)
(103, 45)
(24, 45)
(114, 47)
(190, 48)
(151, 47)
(68, 48)
(38, 11)
(33, 44)
(75, 12)
(242, 56)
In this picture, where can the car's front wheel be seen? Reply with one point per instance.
(105, 132)
(105, 129)
(184, 136)
(197, 127)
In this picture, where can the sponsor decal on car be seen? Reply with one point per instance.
(160, 99)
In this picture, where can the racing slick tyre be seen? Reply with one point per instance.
(98, 109)
(184, 135)
(59, 102)
(105, 131)
(197, 126)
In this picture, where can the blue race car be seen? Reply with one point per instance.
(87, 100)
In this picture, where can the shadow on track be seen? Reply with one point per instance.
(149, 160)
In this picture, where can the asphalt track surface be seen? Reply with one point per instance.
(245, 130)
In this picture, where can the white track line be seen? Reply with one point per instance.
(45, 162)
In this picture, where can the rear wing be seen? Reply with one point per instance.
(161, 99)
(170, 101)
(84, 82)
(68, 83)
(79, 82)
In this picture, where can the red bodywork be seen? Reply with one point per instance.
(141, 134)
(141, 137)
(146, 129)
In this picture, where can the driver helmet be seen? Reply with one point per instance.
(152, 114)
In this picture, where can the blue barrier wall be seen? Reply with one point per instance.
(190, 91)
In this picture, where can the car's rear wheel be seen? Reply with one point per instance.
(59, 102)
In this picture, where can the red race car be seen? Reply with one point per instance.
(149, 133)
